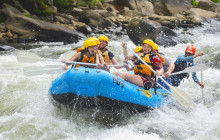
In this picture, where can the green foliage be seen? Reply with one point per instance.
(89, 3)
(194, 3)
(81, 4)
(2, 18)
(42, 12)
(29, 16)
(62, 4)
(216, 1)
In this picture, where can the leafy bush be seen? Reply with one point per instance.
(29, 16)
(194, 3)
(42, 12)
(216, 1)
(62, 4)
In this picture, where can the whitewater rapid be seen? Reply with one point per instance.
(27, 113)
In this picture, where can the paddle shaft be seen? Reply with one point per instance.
(202, 88)
(68, 62)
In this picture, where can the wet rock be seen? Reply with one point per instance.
(6, 48)
(166, 37)
(94, 19)
(29, 29)
(84, 29)
(177, 6)
(171, 7)
(199, 15)
(139, 6)
(62, 20)
(207, 5)
(139, 30)
(36, 30)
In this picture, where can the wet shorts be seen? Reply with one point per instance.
(147, 81)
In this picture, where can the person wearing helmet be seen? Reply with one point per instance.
(127, 57)
(90, 38)
(87, 55)
(143, 76)
(106, 54)
(184, 61)
(168, 67)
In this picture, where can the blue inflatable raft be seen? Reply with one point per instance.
(87, 87)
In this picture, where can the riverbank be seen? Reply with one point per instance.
(29, 22)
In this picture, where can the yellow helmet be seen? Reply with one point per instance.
(88, 43)
(137, 49)
(103, 37)
(156, 47)
(96, 39)
(149, 42)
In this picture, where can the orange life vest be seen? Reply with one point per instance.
(84, 58)
(79, 49)
(105, 57)
(140, 68)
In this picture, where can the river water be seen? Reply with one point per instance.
(27, 113)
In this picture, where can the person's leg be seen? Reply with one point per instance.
(134, 79)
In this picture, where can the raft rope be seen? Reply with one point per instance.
(146, 93)
(149, 94)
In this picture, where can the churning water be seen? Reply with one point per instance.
(27, 113)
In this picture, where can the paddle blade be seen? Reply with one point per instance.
(181, 97)
(27, 57)
(38, 70)
(196, 68)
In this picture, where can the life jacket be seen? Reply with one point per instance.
(105, 56)
(140, 68)
(161, 58)
(180, 67)
(84, 58)
(79, 49)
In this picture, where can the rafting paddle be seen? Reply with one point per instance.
(196, 68)
(39, 70)
(27, 57)
(181, 97)
(48, 69)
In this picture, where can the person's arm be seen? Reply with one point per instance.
(114, 62)
(97, 59)
(159, 72)
(125, 52)
(201, 84)
(170, 69)
(199, 54)
(73, 58)
(101, 59)
(195, 78)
